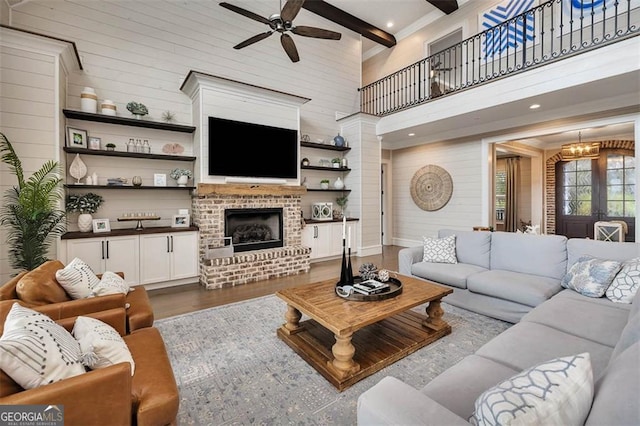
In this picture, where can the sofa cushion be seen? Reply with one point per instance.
(39, 286)
(591, 276)
(544, 255)
(35, 351)
(440, 250)
(454, 275)
(629, 336)
(530, 290)
(101, 344)
(528, 343)
(110, 283)
(454, 389)
(558, 391)
(625, 284)
(77, 279)
(578, 247)
(616, 393)
(599, 322)
(473, 247)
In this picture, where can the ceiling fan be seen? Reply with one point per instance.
(282, 22)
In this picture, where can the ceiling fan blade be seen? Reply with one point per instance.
(289, 47)
(316, 32)
(291, 9)
(246, 13)
(253, 39)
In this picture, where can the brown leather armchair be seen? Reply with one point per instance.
(109, 395)
(39, 287)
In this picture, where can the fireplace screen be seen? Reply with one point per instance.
(254, 229)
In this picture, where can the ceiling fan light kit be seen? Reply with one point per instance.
(282, 23)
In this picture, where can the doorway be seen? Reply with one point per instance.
(592, 190)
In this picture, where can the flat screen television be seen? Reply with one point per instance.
(248, 150)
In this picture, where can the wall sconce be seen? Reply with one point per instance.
(576, 151)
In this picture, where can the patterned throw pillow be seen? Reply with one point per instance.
(440, 250)
(111, 283)
(625, 284)
(36, 351)
(77, 279)
(590, 276)
(557, 392)
(101, 344)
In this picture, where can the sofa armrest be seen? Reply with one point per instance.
(393, 402)
(407, 257)
(88, 399)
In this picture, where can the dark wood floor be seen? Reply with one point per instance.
(188, 298)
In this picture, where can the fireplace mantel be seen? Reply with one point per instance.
(205, 189)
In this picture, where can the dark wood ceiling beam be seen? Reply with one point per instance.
(340, 17)
(447, 6)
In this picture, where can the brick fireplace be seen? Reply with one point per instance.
(214, 202)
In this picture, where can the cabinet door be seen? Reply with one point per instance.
(89, 250)
(323, 243)
(122, 255)
(155, 258)
(184, 255)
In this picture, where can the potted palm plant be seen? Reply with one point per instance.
(30, 210)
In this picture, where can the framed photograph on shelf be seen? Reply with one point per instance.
(180, 221)
(94, 143)
(101, 225)
(159, 179)
(76, 138)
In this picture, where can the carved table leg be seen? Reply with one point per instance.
(434, 316)
(293, 320)
(342, 364)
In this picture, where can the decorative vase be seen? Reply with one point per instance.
(339, 140)
(324, 185)
(136, 181)
(338, 184)
(89, 100)
(108, 107)
(85, 222)
(182, 180)
(78, 169)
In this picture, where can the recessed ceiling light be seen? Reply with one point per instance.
(412, 134)
(389, 24)
(534, 106)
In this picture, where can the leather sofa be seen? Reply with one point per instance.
(110, 395)
(39, 287)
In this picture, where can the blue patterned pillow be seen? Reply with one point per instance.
(625, 284)
(590, 276)
(557, 392)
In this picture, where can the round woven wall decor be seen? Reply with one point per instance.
(431, 188)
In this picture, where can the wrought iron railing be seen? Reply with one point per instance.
(552, 31)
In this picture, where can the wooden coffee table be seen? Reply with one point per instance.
(346, 341)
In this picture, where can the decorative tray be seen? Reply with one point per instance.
(395, 288)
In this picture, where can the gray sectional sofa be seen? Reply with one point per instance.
(551, 321)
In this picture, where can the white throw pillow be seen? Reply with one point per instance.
(557, 392)
(35, 351)
(625, 285)
(77, 279)
(440, 250)
(111, 283)
(590, 276)
(101, 344)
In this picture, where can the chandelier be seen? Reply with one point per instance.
(579, 150)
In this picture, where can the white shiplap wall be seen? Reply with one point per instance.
(463, 211)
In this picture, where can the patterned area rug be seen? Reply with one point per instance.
(232, 369)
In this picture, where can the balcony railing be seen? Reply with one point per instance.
(552, 31)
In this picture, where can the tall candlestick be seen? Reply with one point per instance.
(349, 239)
(344, 226)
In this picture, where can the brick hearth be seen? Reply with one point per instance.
(249, 266)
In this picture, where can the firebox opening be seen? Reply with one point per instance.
(254, 229)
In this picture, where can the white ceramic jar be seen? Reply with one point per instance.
(108, 107)
(89, 100)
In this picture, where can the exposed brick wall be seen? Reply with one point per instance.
(251, 266)
(550, 180)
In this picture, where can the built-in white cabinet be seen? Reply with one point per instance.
(116, 254)
(166, 257)
(325, 239)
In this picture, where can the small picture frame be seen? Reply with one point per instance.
(159, 179)
(180, 221)
(76, 138)
(94, 143)
(101, 225)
